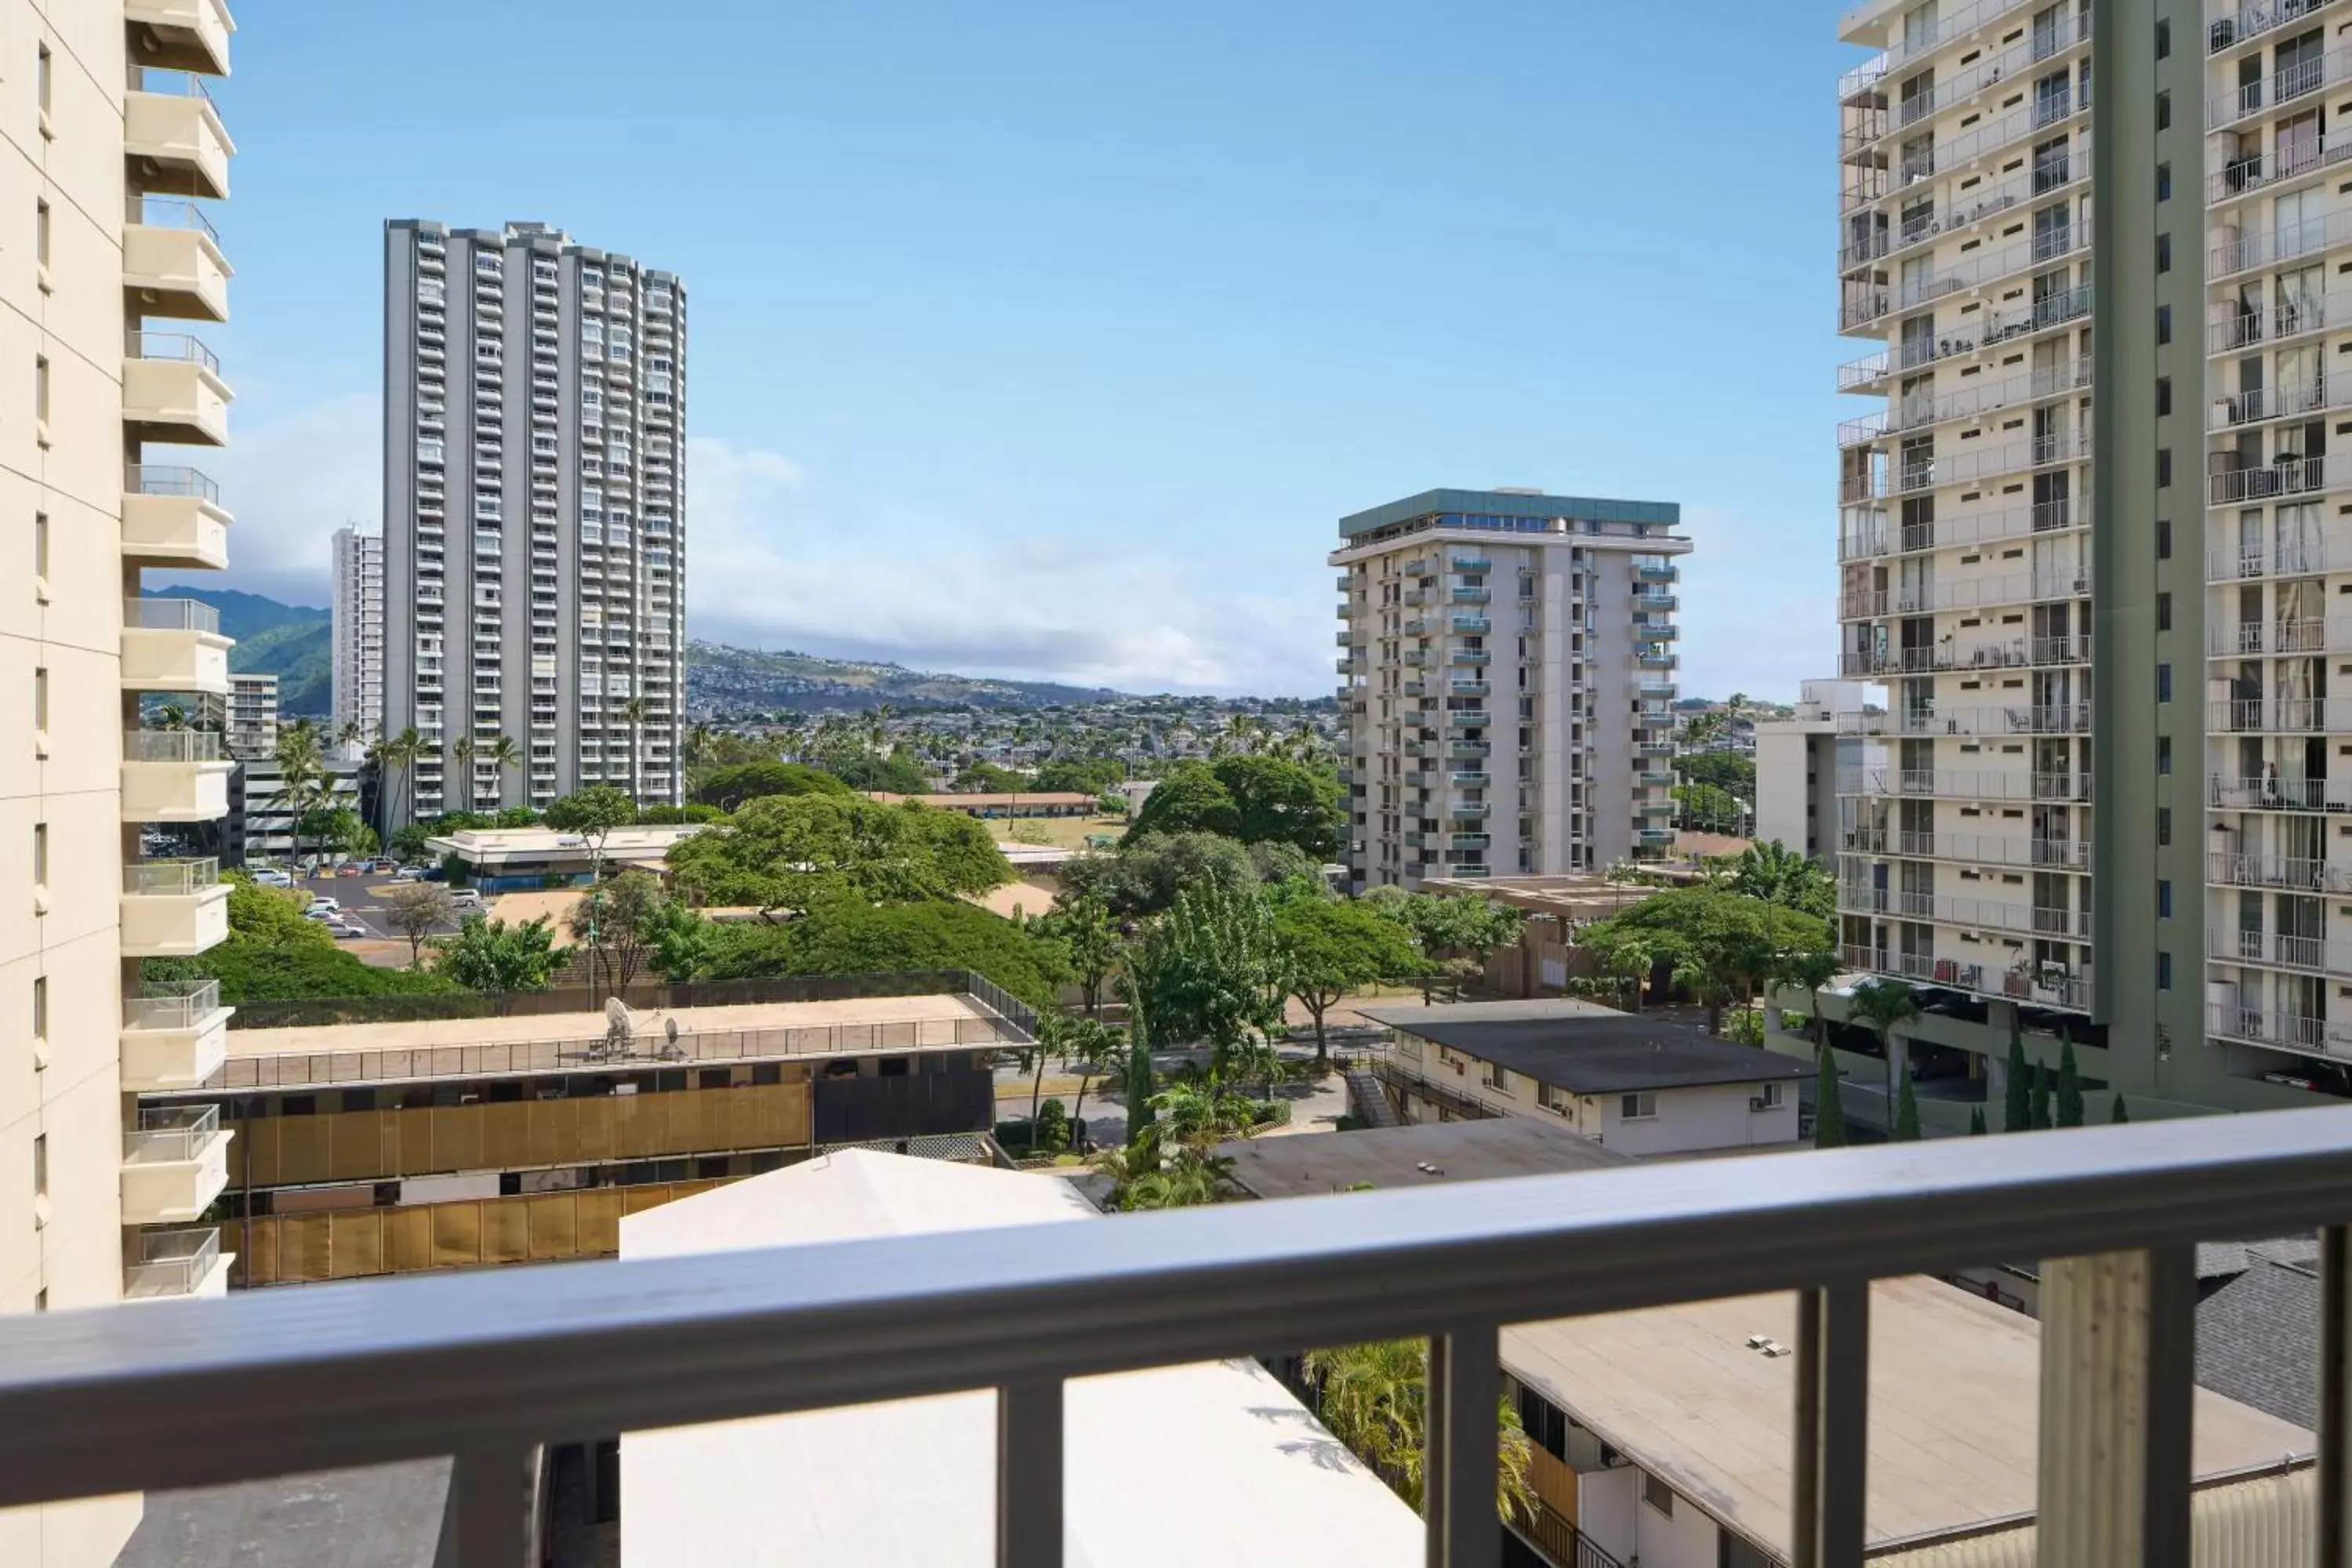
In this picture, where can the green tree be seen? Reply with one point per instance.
(2069, 1110)
(1144, 876)
(1143, 1177)
(1721, 944)
(847, 935)
(1706, 809)
(395, 758)
(1726, 771)
(1374, 1398)
(1829, 1110)
(1091, 940)
(1976, 1122)
(1282, 802)
(1810, 968)
(1907, 1110)
(615, 921)
(1094, 1048)
(2118, 1113)
(1049, 1129)
(1780, 874)
(2017, 1101)
(1624, 959)
(417, 910)
(1331, 948)
(1218, 976)
(500, 959)
(678, 940)
(594, 811)
(1187, 799)
(797, 851)
(729, 786)
(2039, 1115)
(1883, 1004)
(1141, 977)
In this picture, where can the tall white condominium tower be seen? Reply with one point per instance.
(1507, 661)
(110, 261)
(357, 632)
(534, 519)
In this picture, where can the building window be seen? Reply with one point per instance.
(2164, 753)
(2164, 323)
(42, 86)
(2164, 112)
(1501, 1079)
(2164, 612)
(1547, 1096)
(2164, 972)
(2164, 539)
(40, 544)
(40, 1165)
(40, 700)
(2163, 395)
(1657, 1494)
(2164, 253)
(2163, 900)
(2163, 825)
(40, 1006)
(41, 233)
(2164, 683)
(2164, 181)
(2164, 40)
(40, 854)
(1637, 1107)
(2163, 468)
(41, 388)
(1771, 1096)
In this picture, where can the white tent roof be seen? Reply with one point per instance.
(1213, 1462)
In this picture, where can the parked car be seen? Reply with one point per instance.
(322, 905)
(468, 898)
(348, 868)
(345, 928)
(271, 876)
(386, 864)
(409, 874)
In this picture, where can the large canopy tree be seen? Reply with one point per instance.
(795, 851)
(1722, 944)
(1331, 948)
(1257, 799)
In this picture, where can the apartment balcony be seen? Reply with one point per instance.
(2001, 328)
(1970, 848)
(175, 1164)
(174, 1034)
(1921, 410)
(1421, 566)
(2233, 26)
(1470, 780)
(1470, 656)
(1655, 631)
(2017, 653)
(173, 390)
(1412, 596)
(2278, 1031)
(1655, 837)
(1984, 71)
(2049, 986)
(1951, 156)
(2291, 557)
(1657, 660)
(1866, 303)
(171, 262)
(173, 908)
(1345, 664)
(1469, 688)
(2278, 716)
(1415, 658)
(173, 645)
(1467, 594)
(173, 517)
(1655, 747)
(1417, 778)
(181, 35)
(1347, 583)
(2245, 248)
(2284, 873)
(2316, 795)
(1469, 811)
(1967, 468)
(2296, 401)
(1965, 783)
(1866, 533)
(174, 775)
(1348, 639)
(2060, 719)
(2282, 477)
(177, 1265)
(1469, 749)
(1657, 571)
(173, 138)
(1967, 593)
(2310, 634)
(1470, 625)
(2276, 950)
(2291, 162)
(1980, 204)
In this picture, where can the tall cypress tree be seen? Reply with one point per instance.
(1976, 1122)
(2040, 1118)
(2069, 1087)
(2016, 1113)
(2118, 1114)
(1829, 1115)
(1907, 1111)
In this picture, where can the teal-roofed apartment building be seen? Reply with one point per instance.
(1506, 666)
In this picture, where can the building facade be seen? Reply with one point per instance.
(259, 826)
(1507, 667)
(111, 263)
(356, 630)
(534, 524)
(252, 715)
(1800, 761)
(2055, 592)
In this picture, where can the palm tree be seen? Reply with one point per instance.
(1883, 1003)
(461, 754)
(503, 751)
(396, 758)
(302, 784)
(1374, 1397)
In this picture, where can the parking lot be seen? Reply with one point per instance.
(362, 898)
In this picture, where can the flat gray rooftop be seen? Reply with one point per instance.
(1423, 1153)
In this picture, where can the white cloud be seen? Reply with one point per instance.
(290, 483)
(770, 564)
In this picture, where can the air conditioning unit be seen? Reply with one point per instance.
(1757, 1102)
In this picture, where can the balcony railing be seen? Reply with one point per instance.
(171, 616)
(170, 746)
(2051, 171)
(2286, 1031)
(2017, 653)
(1965, 783)
(2255, 172)
(2281, 477)
(2278, 715)
(2072, 718)
(2279, 794)
(1954, 153)
(2309, 635)
(1868, 305)
(2243, 248)
(1866, 532)
(170, 479)
(2285, 557)
(2279, 402)
(2292, 873)
(170, 211)
(172, 1262)
(2067, 30)
(172, 1134)
(1966, 594)
(1921, 409)
(1939, 29)
(171, 1004)
(2276, 950)
(2049, 987)
(2232, 25)
(1970, 848)
(177, 347)
(2038, 315)
(170, 878)
(2290, 318)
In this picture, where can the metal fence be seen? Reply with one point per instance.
(488, 1366)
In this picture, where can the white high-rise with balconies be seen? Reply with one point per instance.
(356, 632)
(534, 525)
(106, 260)
(1507, 661)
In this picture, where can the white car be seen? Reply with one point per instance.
(322, 905)
(270, 877)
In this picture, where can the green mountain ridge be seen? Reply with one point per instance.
(288, 641)
(720, 679)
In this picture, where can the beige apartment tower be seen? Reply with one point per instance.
(1507, 660)
(108, 265)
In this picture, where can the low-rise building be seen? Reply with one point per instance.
(1801, 763)
(261, 817)
(1643, 1085)
(1418, 1154)
(1014, 803)
(511, 859)
(386, 1148)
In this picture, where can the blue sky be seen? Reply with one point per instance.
(1051, 339)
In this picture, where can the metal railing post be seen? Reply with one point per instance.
(1462, 1435)
(2335, 1380)
(493, 1511)
(1029, 1475)
(1832, 1426)
(2119, 1362)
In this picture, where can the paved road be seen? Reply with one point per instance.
(362, 898)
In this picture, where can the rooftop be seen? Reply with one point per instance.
(1954, 1397)
(491, 845)
(983, 800)
(912, 1481)
(1421, 1155)
(1586, 1048)
(1511, 503)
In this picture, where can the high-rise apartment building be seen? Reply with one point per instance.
(356, 630)
(2092, 538)
(534, 531)
(108, 261)
(1507, 666)
(252, 715)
